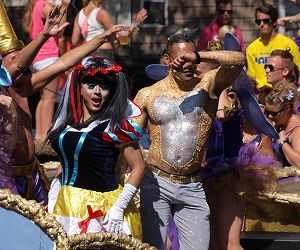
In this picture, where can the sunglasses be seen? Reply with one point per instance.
(271, 68)
(221, 11)
(265, 21)
(92, 85)
(274, 114)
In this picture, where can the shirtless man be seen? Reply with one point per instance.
(16, 59)
(178, 112)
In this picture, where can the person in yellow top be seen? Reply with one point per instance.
(258, 52)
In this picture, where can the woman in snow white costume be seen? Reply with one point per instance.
(91, 127)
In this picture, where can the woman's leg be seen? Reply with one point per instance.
(45, 110)
(230, 214)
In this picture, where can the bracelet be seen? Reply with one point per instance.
(198, 59)
(45, 35)
(135, 25)
(282, 142)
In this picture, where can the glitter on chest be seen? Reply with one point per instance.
(179, 126)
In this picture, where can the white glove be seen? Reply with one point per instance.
(113, 221)
(52, 194)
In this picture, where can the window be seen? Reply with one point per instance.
(157, 12)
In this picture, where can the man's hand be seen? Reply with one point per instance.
(6, 104)
(52, 25)
(285, 20)
(183, 61)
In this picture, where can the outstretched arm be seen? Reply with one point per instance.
(140, 18)
(69, 59)
(288, 19)
(76, 34)
(25, 57)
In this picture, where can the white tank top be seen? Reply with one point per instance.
(93, 27)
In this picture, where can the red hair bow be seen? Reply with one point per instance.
(91, 71)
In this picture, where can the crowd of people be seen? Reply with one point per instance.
(204, 155)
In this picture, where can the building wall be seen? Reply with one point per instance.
(195, 15)
(147, 44)
(150, 41)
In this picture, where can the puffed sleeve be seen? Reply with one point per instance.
(127, 131)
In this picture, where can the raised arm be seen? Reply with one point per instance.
(288, 19)
(77, 38)
(223, 58)
(141, 16)
(25, 57)
(230, 65)
(69, 59)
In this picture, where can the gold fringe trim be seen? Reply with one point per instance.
(262, 226)
(109, 240)
(267, 215)
(287, 172)
(36, 213)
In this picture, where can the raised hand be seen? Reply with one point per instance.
(112, 33)
(53, 22)
(183, 61)
(286, 20)
(141, 16)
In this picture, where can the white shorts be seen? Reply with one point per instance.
(40, 65)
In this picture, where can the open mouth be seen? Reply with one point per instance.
(96, 101)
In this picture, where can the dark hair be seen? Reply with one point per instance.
(178, 38)
(268, 9)
(222, 1)
(114, 108)
(73, 8)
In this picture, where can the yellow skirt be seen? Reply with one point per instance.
(81, 210)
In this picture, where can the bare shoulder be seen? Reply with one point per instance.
(102, 12)
(150, 89)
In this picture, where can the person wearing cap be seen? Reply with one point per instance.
(258, 52)
(29, 174)
(178, 111)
